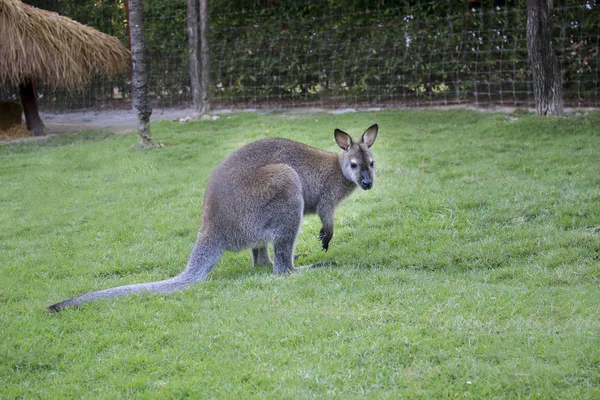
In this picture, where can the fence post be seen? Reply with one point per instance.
(193, 47)
(204, 59)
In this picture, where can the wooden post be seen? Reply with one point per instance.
(30, 107)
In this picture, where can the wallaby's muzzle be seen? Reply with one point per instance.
(366, 182)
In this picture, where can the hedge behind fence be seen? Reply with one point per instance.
(338, 53)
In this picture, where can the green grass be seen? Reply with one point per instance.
(470, 270)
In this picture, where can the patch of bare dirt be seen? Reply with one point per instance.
(123, 121)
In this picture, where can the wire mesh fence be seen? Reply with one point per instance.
(376, 53)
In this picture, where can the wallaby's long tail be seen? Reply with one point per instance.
(202, 260)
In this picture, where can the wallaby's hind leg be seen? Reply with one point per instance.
(284, 255)
(260, 256)
(285, 241)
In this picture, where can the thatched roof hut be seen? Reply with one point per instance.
(53, 49)
(44, 47)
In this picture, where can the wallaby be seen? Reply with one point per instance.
(258, 195)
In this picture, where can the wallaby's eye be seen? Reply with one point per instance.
(371, 164)
(353, 165)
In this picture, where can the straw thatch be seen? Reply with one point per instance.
(53, 49)
(15, 132)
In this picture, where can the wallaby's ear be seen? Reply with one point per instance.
(370, 135)
(342, 139)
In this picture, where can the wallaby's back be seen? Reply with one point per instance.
(319, 171)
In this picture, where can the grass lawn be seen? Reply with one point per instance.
(470, 270)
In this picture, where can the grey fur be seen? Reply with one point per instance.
(258, 195)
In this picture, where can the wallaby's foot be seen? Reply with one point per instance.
(284, 256)
(260, 256)
(298, 256)
(317, 265)
(283, 271)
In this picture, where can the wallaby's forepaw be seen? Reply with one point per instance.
(325, 238)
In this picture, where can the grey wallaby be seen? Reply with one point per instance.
(258, 195)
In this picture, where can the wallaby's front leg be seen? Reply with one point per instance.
(326, 233)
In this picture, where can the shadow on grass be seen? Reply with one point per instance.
(37, 143)
(232, 268)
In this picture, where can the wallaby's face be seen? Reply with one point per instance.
(358, 164)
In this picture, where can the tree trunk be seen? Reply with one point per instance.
(30, 108)
(194, 52)
(139, 76)
(545, 68)
(204, 59)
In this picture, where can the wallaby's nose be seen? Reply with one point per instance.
(366, 184)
